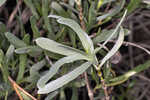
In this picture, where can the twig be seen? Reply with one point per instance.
(90, 92)
(143, 93)
(103, 46)
(13, 14)
(104, 86)
(49, 61)
(16, 86)
(80, 14)
(130, 47)
(143, 77)
(132, 44)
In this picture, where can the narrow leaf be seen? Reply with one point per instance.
(124, 77)
(54, 69)
(35, 30)
(91, 16)
(115, 48)
(59, 9)
(105, 34)
(54, 85)
(115, 31)
(113, 12)
(34, 71)
(45, 10)
(55, 47)
(51, 95)
(22, 66)
(4, 69)
(37, 66)
(10, 52)
(28, 49)
(14, 40)
(85, 39)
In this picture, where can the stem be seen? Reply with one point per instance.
(81, 16)
(104, 86)
(90, 92)
(16, 87)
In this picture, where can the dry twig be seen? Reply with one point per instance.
(90, 92)
(13, 14)
(16, 87)
(104, 86)
(133, 44)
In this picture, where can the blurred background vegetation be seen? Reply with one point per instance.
(22, 21)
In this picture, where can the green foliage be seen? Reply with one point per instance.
(52, 61)
(113, 12)
(114, 49)
(14, 40)
(86, 41)
(72, 56)
(64, 79)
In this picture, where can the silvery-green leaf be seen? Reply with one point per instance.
(113, 12)
(59, 9)
(55, 47)
(85, 39)
(116, 29)
(115, 47)
(51, 95)
(59, 82)
(2, 2)
(28, 49)
(36, 67)
(104, 35)
(34, 71)
(55, 67)
(14, 40)
(9, 53)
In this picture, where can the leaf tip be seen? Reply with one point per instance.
(54, 16)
